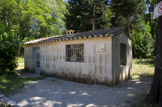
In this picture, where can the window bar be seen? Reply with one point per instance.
(75, 53)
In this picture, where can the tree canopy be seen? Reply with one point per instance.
(31, 19)
(23, 20)
(83, 15)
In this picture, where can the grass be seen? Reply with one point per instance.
(13, 83)
(20, 60)
(138, 101)
(142, 67)
(20, 63)
(19, 67)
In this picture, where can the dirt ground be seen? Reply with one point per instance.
(52, 92)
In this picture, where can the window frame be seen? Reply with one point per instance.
(123, 61)
(80, 59)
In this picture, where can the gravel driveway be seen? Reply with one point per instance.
(52, 92)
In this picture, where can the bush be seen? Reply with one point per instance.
(8, 52)
(143, 44)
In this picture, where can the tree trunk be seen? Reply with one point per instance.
(94, 17)
(155, 94)
(19, 50)
(128, 27)
(6, 21)
(19, 44)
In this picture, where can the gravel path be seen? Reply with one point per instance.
(52, 92)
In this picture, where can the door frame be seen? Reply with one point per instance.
(36, 54)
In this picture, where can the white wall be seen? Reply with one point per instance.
(96, 68)
(121, 72)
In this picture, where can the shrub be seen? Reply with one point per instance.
(8, 52)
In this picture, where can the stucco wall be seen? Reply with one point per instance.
(96, 68)
(121, 72)
(28, 59)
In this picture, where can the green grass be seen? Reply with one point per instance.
(20, 63)
(12, 83)
(20, 60)
(142, 67)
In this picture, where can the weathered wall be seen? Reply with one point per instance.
(96, 68)
(121, 72)
(28, 59)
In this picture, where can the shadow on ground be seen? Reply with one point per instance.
(59, 93)
(150, 62)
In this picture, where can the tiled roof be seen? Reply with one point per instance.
(81, 35)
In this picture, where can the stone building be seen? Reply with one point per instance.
(99, 57)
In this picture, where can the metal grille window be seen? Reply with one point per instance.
(75, 53)
(123, 54)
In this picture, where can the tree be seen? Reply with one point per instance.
(57, 9)
(98, 9)
(133, 17)
(27, 18)
(149, 17)
(128, 13)
(22, 20)
(8, 52)
(143, 43)
(85, 15)
(152, 23)
(36, 16)
(155, 94)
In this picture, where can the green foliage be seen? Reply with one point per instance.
(20, 63)
(20, 60)
(24, 20)
(132, 16)
(128, 13)
(32, 19)
(80, 15)
(107, 18)
(8, 52)
(143, 67)
(149, 17)
(143, 43)
(57, 9)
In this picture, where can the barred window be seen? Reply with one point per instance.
(123, 54)
(75, 53)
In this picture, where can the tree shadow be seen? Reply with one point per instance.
(12, 83)
(150, 62)
(138, 99)
(56, 92)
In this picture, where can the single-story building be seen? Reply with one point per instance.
(99, 57)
